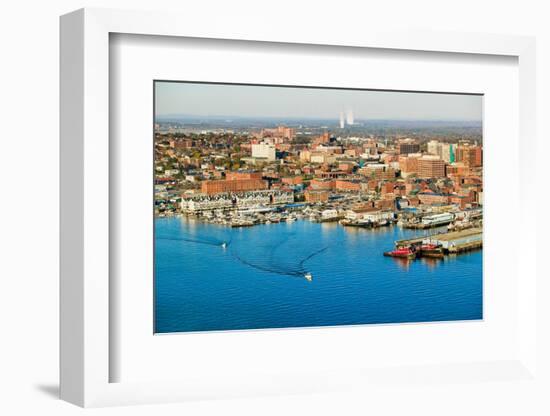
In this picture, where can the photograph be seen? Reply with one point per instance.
(279, 206)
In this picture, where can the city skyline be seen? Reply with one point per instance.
(205, 100)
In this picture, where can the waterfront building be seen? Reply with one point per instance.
(438, 219)
(230, 201)
(457, 238)
(202, 203)
(328, 214)
(372, 214)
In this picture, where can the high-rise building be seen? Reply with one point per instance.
(406, 146)
(469, 155)
(409, 164)
(434, 148)
(448, 151)
(431, 167)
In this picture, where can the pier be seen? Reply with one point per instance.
(450, 242)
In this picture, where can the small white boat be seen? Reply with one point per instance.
(308, 276)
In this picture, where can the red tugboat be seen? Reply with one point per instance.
(404, 253)
(432, 251)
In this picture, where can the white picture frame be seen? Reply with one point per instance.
(85, 216)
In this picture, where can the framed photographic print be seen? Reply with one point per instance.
(282, 213)
(286, 206)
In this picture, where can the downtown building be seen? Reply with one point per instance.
(406, 146)
(408, 165)
(471, 156)
(430, 166)
(448, 152)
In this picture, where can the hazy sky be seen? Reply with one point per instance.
(259, 101)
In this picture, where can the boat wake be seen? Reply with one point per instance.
(302, 262)
(263, 268)
(285, 263)
(285, 256)
(206, 241)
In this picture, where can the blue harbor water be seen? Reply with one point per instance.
(257, 280)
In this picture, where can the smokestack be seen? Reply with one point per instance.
(342, 122)
(349, 117)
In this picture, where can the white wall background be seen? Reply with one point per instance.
(29, 207)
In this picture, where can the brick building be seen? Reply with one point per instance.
(312, 195)
(409, 164)
(242, 174)
(431, 167)
(471, 156)
(292, 180)
(377, 171)
(431, 198)
(343, 185)
(235, 185)
(407, 146)
(322, 184)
